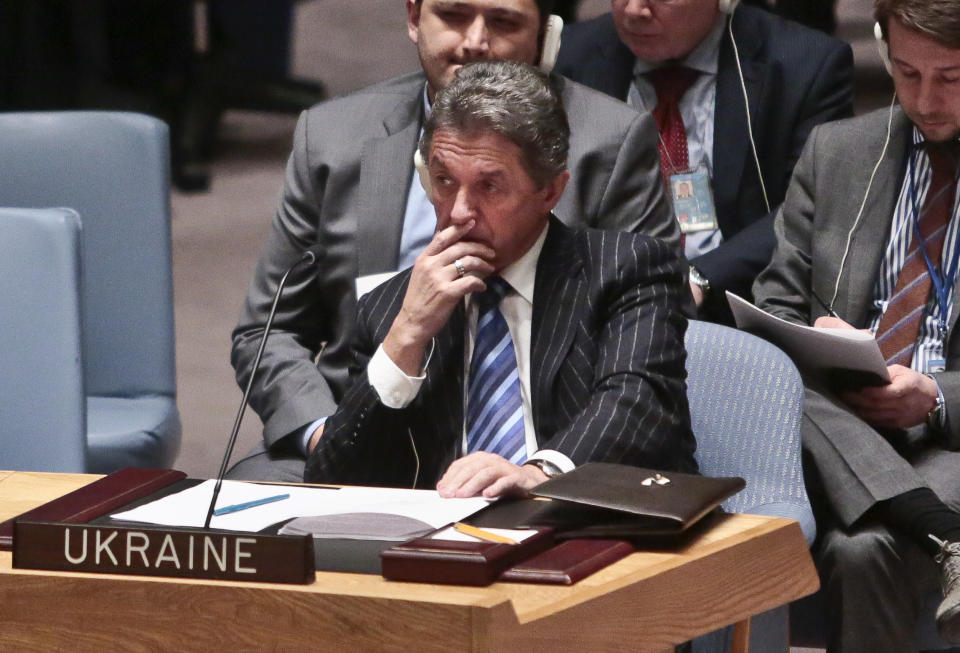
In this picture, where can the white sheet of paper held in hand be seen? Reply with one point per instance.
(189, 507)
(810, 347)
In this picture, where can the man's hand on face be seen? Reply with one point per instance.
(434, 290)
(488, 474)
(902, 403)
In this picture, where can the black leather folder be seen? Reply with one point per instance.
(610, 500)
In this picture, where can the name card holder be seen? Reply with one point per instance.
(428, 559)
(163, 551)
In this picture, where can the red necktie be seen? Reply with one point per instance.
(670, 83)
(900, 324)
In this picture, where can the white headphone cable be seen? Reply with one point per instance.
(866, 194)
(746, 105)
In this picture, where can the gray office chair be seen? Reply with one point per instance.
(43, 424)
(746, 398)
(113, 169)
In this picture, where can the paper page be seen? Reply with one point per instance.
(189, 507)
(812, 348)
(517, 535)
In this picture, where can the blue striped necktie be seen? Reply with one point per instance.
(494, 407)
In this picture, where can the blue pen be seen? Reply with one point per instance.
(237, 507)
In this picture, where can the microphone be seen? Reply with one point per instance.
(309, 258)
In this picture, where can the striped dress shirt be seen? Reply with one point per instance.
(931, 341)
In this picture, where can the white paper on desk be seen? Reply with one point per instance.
(812, 348)
(189, 507)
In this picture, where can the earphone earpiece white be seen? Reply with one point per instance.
(423, 173)
(727, 6)
(550, 47)
(882, 48)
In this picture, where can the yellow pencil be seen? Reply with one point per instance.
(481, 534)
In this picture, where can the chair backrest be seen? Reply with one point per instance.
(113, 169)
(746, 398)
(42, 409)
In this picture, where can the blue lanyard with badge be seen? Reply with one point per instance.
(938, 276)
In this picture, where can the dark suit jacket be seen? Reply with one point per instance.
(795, 77)
(346, 188)
(606, 369)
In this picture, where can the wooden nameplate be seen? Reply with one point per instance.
(99, 498)
(163, 551)
(568, 562)
(428, 559)
(57, 536)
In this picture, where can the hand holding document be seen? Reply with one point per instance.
(831, 352)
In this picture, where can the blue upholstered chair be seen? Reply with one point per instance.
(42, 412)
(113, 169)
(746, 399)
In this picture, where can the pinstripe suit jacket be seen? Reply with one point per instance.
(606, 370)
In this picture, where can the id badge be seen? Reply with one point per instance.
(936, 365)
(693, 201)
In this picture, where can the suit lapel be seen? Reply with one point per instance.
(731, 139)
(447, 373)
(556, 295)
(385, 173)
(616, 72)
(870, 238)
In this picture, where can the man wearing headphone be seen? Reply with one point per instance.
(351, 188)
(868, 237)
(736, 91)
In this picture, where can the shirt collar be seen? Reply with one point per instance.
(427, 107)
(522, 273)
(702, 58)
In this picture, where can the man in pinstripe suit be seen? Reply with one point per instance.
(594, 317)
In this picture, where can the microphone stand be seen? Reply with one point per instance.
(310, 258)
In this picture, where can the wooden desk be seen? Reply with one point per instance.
(646, 602)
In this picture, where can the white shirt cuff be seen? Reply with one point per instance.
(561, 461)
(304, 439)
(393, 386)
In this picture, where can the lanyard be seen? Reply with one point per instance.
(939, 279)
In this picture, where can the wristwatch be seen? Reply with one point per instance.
(545, 466)
(935, 416)
(700, 280)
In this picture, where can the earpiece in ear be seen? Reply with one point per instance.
(727, 6)
(551, 43)
(883, 48)
(423, 173)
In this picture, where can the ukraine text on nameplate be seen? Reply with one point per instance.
(163, 551)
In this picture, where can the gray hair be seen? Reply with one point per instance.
(513, 100)
(939, 20)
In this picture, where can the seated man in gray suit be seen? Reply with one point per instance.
(516, 347)
(351, 188)
(868, 238)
